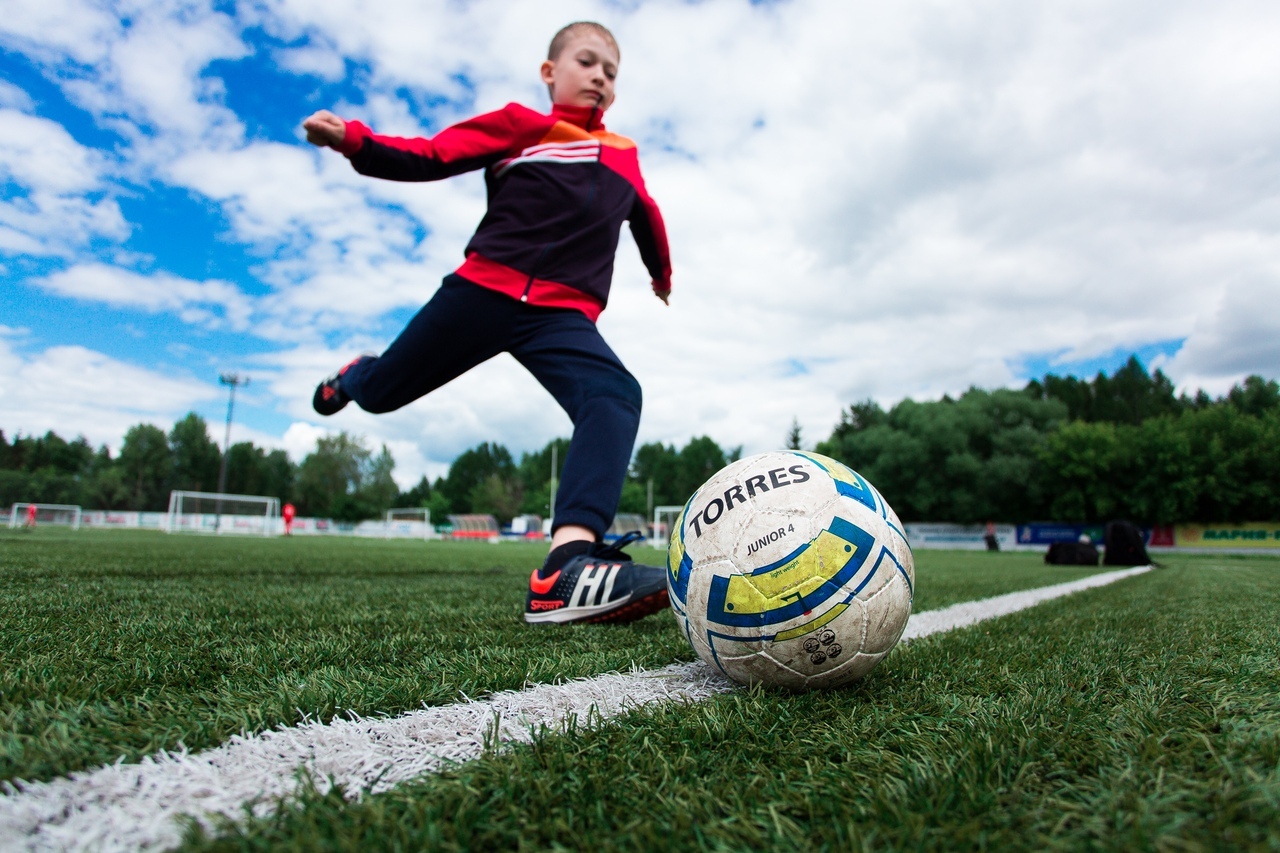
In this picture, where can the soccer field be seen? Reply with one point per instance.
(1140, 715)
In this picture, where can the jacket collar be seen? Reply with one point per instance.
(587, 118)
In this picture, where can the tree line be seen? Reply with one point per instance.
(1067, 449)
(1061, 448)
(340, 479)
(488, 479)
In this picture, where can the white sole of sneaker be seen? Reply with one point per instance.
(573, 614)
(620, 613)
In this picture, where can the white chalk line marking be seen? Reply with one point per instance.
(970, 612)
(137, 806)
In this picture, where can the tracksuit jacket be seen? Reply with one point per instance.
(559, 188)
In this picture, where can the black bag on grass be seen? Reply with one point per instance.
(1072, 554)
(1123, 541)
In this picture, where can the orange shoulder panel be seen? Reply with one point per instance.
(562, 131)
(613, 140)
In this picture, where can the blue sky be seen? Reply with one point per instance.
(863, 201)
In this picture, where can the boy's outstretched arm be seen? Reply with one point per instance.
(468, 145)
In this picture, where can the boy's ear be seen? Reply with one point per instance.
(548, 72)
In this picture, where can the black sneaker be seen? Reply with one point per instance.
(602, 586)
(329, 398)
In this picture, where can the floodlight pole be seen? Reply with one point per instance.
(234, 381)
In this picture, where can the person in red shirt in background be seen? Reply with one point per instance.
(287, 512)
(31, 516)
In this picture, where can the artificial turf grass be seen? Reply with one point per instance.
(1142, 715)
(152, 645)
(117, 644)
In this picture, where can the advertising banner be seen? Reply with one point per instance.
(1160, 536)
(397, 529)
(122, 519)
(1251, 535)
(968, 537)
(311, 526)
(1047, 533)
(208, 522)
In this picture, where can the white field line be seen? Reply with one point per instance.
(969, 612)
(137, 806)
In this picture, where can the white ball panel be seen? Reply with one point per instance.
(887, 614)
(767, 669)
(857, 666)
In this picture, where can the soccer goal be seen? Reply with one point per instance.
(409, 522)
(663, 518)
(210, 512)
(61, 515)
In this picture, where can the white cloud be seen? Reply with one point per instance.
(211, 304)
(12, 97)
(319, 60)
(73, 391)
(300, 439)
(143, 77)
(1237, 334)
(55, 31)
(60, 208)
(419, 44)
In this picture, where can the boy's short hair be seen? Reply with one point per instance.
(577, 28)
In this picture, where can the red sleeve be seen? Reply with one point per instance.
(650, 233)
(472, 144)
(646, 220)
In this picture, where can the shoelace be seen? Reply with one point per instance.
(614, 551)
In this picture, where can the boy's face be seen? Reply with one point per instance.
(583, 74)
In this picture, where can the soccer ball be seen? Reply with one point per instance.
(789, 568)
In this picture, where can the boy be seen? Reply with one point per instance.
(536, 277)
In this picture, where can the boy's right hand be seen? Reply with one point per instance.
(324, 128)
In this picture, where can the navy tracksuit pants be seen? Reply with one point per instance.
(463, 325)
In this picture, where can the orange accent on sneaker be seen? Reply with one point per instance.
(545, 605)
(327, 392)
(542, 586)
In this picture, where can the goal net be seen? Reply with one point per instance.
(62, 515)
(210, 512)
(409, 522)
(663, 518)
